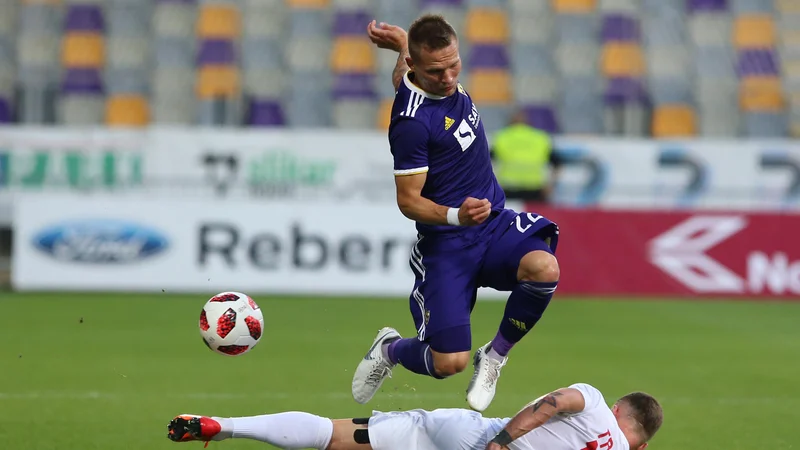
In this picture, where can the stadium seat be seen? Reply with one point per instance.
(535, 89)
(8, 18)
(622, 60)
(265, 112)
(757, 62)
(751, 6)
(309, 4)
(765, 125)
(81, 110)
(664, 30)
(718, 121)
(697, 6)
(349, 86)
(667, 61)
(262, 53)
(577, 28)
(308, 54)
(541, 116)
(579, 59)
(172, 97)
(131, 19)
(84, 17)
(83, 50)
(487, 26)
(175, 19)
(761, 93)
(218, 21)
(490, 86)
(574, 6)
(488, 56)
(675, 120)
(129, 52)
(267, 83)
(532, 60)
(127, 111)
(709, 29)
(714, 62)
(787, 6)
(126, 80)
(754, 31)
(351, 22)
(617, 27)
(215, 81)
(532, 27)
(354, 114)
(352, 54)
(529, 6)
(263, 22)
(666, 90)
(384, 115)
(216, 52)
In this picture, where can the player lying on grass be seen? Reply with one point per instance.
(467, 237)
(572, 418)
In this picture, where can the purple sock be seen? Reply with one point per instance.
(414, 355)
(524, 308)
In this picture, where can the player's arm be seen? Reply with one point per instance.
(536, 414)
(394, 38)
(409, 144)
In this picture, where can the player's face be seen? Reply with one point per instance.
(436, 71)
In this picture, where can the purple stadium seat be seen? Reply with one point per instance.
(216, 51)
(5, 111)
(353, 85)
(84, 18)
(706, 5)
(82, 81)
(488, 56)
(621, 91)
(542, 117)
(757, 62)
(177, 1)
(620, 28)
(351, 23)
(424, 3)
(265, 112)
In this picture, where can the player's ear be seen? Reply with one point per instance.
(410, 63)
(642, 447)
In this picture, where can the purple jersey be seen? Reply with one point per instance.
(444, 137)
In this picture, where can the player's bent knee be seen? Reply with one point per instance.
(448, 364)
(540, 266)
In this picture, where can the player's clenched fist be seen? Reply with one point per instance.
(474, 211)
(387, 36)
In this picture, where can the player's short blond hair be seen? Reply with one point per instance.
(430, 32)
(646, 411)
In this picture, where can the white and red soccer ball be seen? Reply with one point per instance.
(231, 323)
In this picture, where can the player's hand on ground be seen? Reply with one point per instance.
(474, 211)
(387, 36)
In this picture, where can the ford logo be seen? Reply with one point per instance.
(100, 242)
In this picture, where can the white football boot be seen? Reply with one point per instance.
(374, 368)
(480, 392)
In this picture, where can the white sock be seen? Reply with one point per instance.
(289, 430)
(494, 355)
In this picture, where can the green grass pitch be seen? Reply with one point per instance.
(109, 371)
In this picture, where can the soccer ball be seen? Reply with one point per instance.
(231, 323)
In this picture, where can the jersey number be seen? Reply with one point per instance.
(603, 442)
(465, 135)
(533, 218)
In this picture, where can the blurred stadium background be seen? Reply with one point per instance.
(156, 152)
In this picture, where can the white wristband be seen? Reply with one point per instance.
(452, 217)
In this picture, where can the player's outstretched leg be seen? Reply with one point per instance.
(283, 430)
(374, 367)
(537, 277)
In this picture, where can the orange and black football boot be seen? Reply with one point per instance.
(186, 427)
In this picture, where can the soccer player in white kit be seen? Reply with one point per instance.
(571, 418)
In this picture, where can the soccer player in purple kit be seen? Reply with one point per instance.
(466, 237)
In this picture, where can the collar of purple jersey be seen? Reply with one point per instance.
(414, 88)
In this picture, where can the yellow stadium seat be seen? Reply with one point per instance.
(490, 86)
(214, 81)
(622, 59)
(41, 2)
(127, 111)
(673, 120)
(573, 6)
(487, 25)
(83, 50)
(218, 22)
(352, 55)
(309, 4)
(754, 31)
(385, 114)
(761, 94)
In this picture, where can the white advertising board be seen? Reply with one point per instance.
(132, 243)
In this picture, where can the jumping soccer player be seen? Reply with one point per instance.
(571, 418)
(467, 238)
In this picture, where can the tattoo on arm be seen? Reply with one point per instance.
(400, 68)
(549, 399)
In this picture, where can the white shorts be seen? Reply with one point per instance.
(440, 429)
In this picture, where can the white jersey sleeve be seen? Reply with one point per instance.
(592, 397)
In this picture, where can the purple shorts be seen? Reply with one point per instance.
(450, 269)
